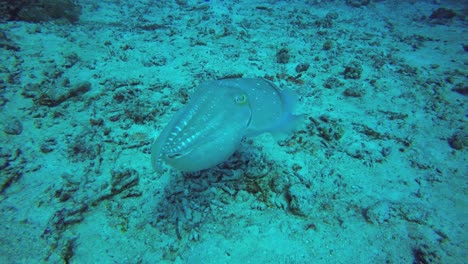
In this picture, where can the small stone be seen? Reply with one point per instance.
(48, 145)
(194, 235)
(378, 213)
(413, 212)
(3, 163)
(465, 47)
(302, 67)
(46, 148)
(114, 118)
(355, 150)
(282, 56)
(147, 62)
(123, 178)
(327, 45)
(461, 89)
(353, 92)
(13, 127)
(332, 15)
(71, 59)
(386, 151)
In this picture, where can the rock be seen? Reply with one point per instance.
(13, 127)
(12, 166)
(60, 96)
(329, 129)
(353, 70)
(68, 189)
(327, 21)
(425, 254)
(301, 200)
(43, 10)
(458, 141)
(357, 3)
(181, 2)
(369, 152)
(443, 13)
(354, 92)
(332, 82)
(279, 183)
(7, 43)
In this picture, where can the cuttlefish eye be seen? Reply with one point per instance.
(240, 99)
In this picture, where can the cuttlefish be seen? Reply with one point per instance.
(208, 130)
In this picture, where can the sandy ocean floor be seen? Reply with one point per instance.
(375, 173)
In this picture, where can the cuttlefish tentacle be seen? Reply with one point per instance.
(157, 149)
(164, 142)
